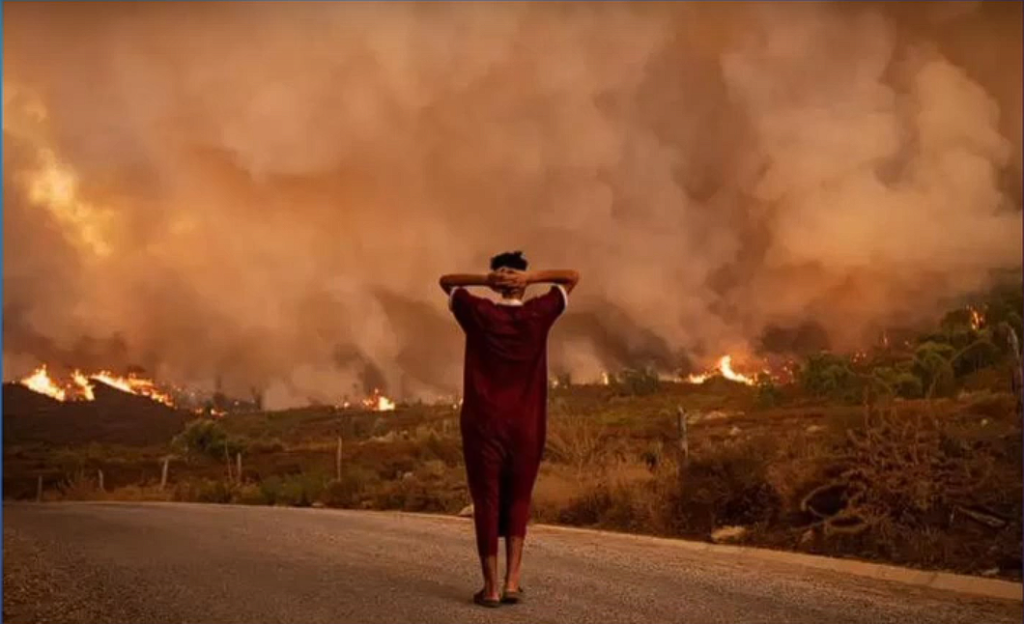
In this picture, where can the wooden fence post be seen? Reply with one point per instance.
(684, 442)
(337, 461)
(1017, 379)
(227, 460)
(100, 478)
(238, 464)
(39, 489)
(163, 473)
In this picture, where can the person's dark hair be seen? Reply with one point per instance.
(509, 259)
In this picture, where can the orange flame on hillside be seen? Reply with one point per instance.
(81, 386)
(39, 381)
(133, 384)
(723, 369)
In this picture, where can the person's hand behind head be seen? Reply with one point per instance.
(495, 280)
(511, 279)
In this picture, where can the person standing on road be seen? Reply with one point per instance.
(504, 409)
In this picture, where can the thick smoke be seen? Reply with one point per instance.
(263, 195)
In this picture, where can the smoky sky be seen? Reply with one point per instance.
(264, 195)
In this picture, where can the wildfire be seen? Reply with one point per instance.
(81, 387)
(83, 384)
(378, 402)
(723, 368)
(606, 379)
(53, 185)
(134, 385)
(39, 381)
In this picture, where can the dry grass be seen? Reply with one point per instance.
(902, 482)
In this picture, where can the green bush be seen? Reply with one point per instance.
(826, 375)
(932, 366)
(206, 437)
(980, 354)
(894, 381)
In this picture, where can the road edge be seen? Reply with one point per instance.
(942, 581)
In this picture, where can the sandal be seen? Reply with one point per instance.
(513, 597)
(490, 603)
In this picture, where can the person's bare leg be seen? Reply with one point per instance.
(513, 562)
(489, 564)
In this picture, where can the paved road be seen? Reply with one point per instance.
(94, 562)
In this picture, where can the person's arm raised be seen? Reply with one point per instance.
(455, 280)
(566, 278)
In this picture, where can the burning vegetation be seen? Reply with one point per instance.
(80, 386)
(724, 369)
(378, 402)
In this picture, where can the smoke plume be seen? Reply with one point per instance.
(263, 195)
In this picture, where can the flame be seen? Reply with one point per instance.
(39, 381)
(52, 185)
(378, 402)
(134, 385)
(81, 386)
(977, 318)
(606, 379)
(724, 369)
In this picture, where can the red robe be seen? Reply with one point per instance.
(504, 408)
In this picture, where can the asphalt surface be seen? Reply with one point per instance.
(95, 562)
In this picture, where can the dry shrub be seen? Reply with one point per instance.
(202, 491)
(356, 486)
(139, 493)
(555, 490)
(912, 471)
(447, 495)
(907, 478)
(79, 487)
(728, 487)
(295, 490)
(576, 441)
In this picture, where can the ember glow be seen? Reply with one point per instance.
(723, 369)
